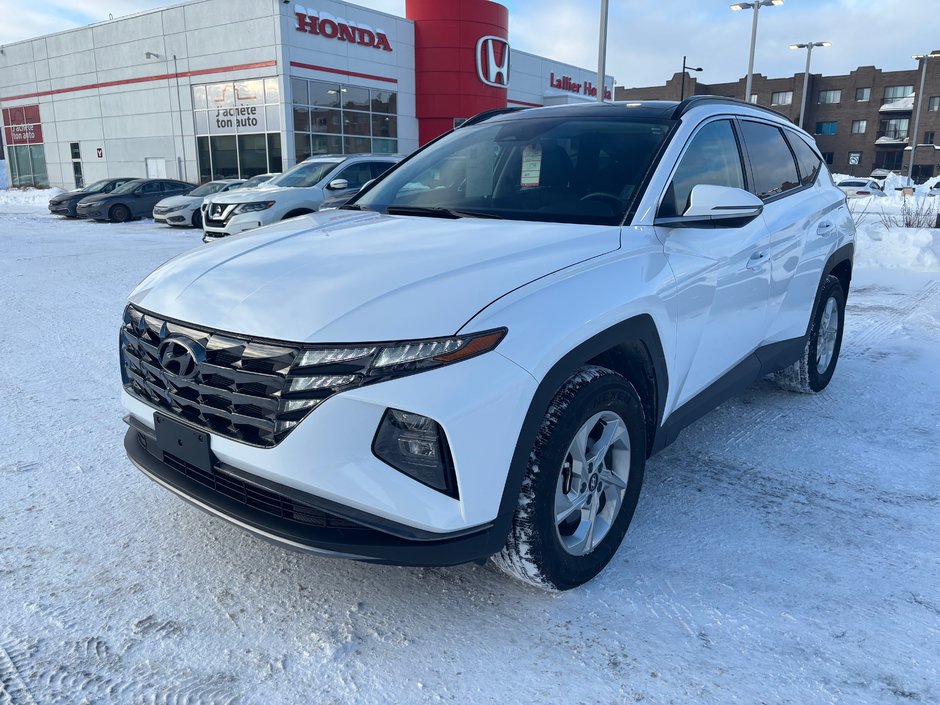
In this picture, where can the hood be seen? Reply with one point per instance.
(261, 193)
(68, 196)
(96, 197)
(179, 201)
(347, 276)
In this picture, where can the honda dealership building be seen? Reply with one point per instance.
(233, 88)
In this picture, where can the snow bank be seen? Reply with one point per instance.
(915, 249)
(28, 196)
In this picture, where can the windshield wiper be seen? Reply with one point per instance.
(438, 212)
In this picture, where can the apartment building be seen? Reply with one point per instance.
(863, 122)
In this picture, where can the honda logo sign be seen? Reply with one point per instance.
(493, 61)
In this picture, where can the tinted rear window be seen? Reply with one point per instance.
(771, 160)
(807, 160)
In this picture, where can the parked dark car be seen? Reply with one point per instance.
(135, 199)
(66, 203)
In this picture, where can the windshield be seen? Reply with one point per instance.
(128, 187)
(256, 181)
(209, 188)
(304, 174)
(581, 170)
(96, 187)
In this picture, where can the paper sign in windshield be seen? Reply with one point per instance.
(531, 165)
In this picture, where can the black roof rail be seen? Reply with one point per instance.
(487, 114)
(697, 100)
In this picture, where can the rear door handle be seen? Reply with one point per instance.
(825, 228)
(757, 259)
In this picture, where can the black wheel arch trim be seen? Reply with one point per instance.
(641, 329)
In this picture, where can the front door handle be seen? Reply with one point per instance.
(757, 259)
(825, 228)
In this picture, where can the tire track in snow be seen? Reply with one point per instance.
(862, 343)
(13, 689)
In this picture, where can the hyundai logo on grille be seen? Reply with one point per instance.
(180, 357)
(493, 61)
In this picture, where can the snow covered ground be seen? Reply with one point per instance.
(785, 549)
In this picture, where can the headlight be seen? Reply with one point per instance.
(318, 373)
(253, 207)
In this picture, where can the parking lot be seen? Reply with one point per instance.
(784, 549)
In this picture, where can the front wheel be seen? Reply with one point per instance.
(582, 483)
(814, 370)
(196, 220)
(119, 214)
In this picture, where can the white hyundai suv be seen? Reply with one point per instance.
(475, 358)
(298, 191)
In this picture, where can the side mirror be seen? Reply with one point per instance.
(338, 184)
(716, 207)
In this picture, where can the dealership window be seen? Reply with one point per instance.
(75, 150)
(830, 96)
(862, 95)
(781, 98)
(826, 128)
(855, 158)
(933, 103)
(333, 118)
(238, 128)
(827, 157)
(859, 127)
(27, 165)
(894, 129)
(896, 93)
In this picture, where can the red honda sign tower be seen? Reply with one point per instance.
(461, 61)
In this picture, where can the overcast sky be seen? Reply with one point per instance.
(646, 40)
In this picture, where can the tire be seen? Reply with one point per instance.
(196, 220)
(813, 371)
(119, 214)
(559, 556)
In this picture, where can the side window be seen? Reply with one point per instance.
(152, 187)
(806, 159)
(356, 174)
(379, 168)
(771, 160)
(712, 158)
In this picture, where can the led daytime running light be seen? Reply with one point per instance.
(325, 357)
(308, 384)
(401, 354)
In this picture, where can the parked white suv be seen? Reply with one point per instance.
(298, 191)
(475, 358)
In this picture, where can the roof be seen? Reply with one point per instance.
(649, 109)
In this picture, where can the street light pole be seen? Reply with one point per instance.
(920, 102)
(602, 54)
(809, 53)
(756, 6)
(684, 69)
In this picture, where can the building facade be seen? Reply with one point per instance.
(233, 88)
(863, 122)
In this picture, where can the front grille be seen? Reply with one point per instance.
(260, 498)
(237, 389)
(161, 210)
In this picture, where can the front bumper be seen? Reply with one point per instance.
(62, 209)
(93, 212)
(215, 229)
(327, 462)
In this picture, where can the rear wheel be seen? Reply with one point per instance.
(813, 371)
(582, 484)
(119, 214)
